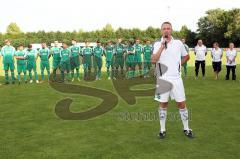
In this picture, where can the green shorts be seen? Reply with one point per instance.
(65, 66)
(87, 62)
(130, 64)
(45, 64)
(7, 66)
(56, 64)
(97, 62)
(119, 61)
(31, 65)
(75, 62)
(21, 68)
(185, 65)
(138, 60)
(147, 64)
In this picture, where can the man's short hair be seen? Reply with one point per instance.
(166, 23)
(216, 43)
(29, 46)
(7, 40)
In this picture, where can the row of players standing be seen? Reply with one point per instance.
(67, 60)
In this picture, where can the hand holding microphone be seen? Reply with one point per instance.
(165, 41)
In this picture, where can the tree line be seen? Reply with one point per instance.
(218, 25)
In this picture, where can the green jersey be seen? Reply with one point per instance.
(119, 50)
(130, 53)
(109, 51)
(138, 49)
(55, 52)
(44, 54)
(65, 55)
(98, 51)
(147, 51)
(8, 53)
(32, 55)
(75, 50)
(86, 51)
(21, 54)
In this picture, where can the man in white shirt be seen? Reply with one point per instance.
(216, 54)
(200, 51)
(168, 52)
(231, 55)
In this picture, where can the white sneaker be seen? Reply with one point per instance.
(36, 81)
(157, 98)
(31, 81)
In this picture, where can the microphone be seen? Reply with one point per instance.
(165, 41)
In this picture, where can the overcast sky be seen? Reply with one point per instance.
(69, 15)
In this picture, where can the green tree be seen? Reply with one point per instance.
(13, 29)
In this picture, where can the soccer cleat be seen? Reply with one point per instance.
(13, 82)
(31, 81)
(109, 78)
(36, 81)
(188, 133)
(19, 83)
(72, 79)
(162, 134)
(6, 82)
(25, 82)
(78, 79)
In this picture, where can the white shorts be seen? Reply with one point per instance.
(177, 92)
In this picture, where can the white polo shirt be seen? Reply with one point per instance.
(200, 52)
(231, 54)
(171, 57)
(216, 55)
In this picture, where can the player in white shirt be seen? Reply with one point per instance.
(216, 54)
(231, 55)
(200, 51)
(168, 52)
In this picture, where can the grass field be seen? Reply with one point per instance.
(30, 128)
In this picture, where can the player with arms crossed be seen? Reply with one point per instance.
(55, 52)
(168, 52)
(75, 59)
(65, 65)
(44, 55)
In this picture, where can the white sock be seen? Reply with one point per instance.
(162, 118)
(184, 117)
